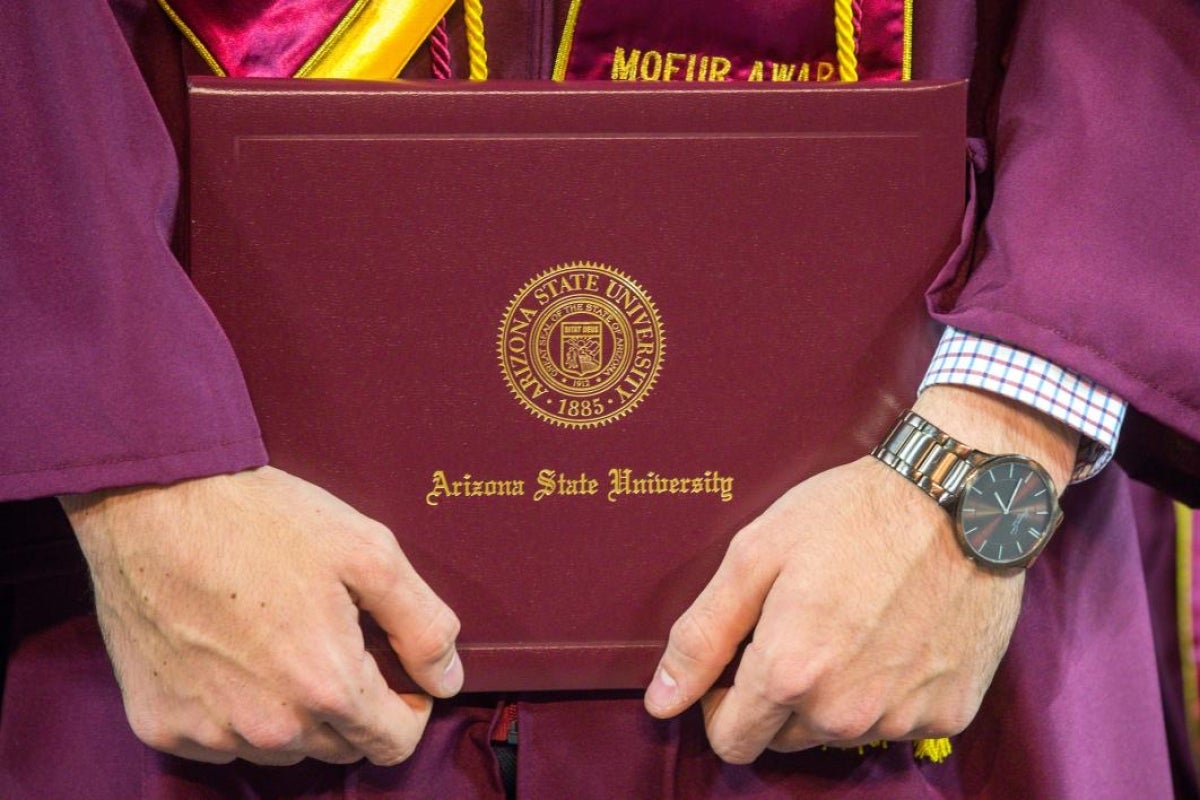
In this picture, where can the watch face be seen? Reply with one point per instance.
(1007, 512)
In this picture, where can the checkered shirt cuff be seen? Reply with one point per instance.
(967, 359)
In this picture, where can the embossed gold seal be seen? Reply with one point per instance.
(581, 345)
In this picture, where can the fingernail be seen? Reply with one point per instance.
(663, 691)
(452, 675)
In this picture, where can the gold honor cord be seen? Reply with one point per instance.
(476, 44)
(192, 39)
(847, 40)
(847, 22)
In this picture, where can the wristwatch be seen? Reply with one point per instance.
(1004, 507)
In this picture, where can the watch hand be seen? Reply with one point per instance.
(1003, 507)
(1013, 499)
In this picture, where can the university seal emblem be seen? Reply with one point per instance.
(581, 345)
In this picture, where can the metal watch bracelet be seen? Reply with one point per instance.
(927, 456)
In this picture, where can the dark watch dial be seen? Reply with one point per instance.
(1007, 511)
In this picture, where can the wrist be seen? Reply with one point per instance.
(997, 425)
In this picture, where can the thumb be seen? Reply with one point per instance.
(705, 638)
(421, 628)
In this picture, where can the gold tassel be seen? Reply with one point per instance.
(935, 750)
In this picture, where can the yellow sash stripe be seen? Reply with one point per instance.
(1186, 623)
(375, 40)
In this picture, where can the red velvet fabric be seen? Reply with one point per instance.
(258, 38)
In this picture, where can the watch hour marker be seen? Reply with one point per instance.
(1039, 494)
(1034, 532)
(1020, 549)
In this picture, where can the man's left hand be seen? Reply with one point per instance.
(868, 620)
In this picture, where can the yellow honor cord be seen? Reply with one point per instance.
(476, 44)
(193, 39)
(847, 48)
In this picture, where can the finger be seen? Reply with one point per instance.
(797, 734)
(705, 638)
(851, 722)
(326, 744)
(742, 720)
(204, 740)
(322, 743)
(194, 751)
(421, 628)
(382, 725)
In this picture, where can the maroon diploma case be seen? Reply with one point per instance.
(565, 340)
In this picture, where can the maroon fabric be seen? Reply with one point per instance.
(64, 733)
(1156, 526)
(762, 40)
(1090, 255)
(114, 372)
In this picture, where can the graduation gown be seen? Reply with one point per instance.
(114, 373)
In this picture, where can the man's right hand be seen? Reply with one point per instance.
(230, 609)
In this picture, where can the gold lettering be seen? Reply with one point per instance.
(618, 483)
(625, 69)
(783, 72)
(671, 67)
(545, 479)
(468, 487)
(441, 488)
(756, 72)
(825, 70)
(802, 75)
(690, 75)
(553, 482)
(526, 379)
(719, 68)
(702, 73)
(622, 482)
(651, 73)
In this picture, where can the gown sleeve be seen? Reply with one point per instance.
(1090, 252)
(113, 372)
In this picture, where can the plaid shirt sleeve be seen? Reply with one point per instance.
(967, 359)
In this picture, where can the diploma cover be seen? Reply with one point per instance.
(566, 340)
